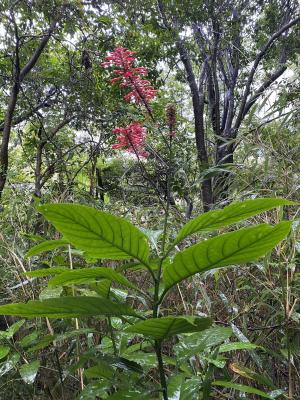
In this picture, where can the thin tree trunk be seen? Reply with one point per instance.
(198, 109)
(93, 192)
(99, 190)
(38, 170)
(6, 134)
(19, 76)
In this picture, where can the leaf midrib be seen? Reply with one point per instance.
(95, 233)
(232, 254)
(215, 227)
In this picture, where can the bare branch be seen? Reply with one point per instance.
(271, 79)
(258, 59)
(38, 51)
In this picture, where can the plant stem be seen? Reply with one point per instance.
(80, 370)
(112, 336)
(162, 375)
(156, 299)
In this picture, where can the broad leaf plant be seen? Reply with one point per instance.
(98, 235)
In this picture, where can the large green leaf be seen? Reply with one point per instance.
(229, 215)
(237, 247)
(233, 346)
(88, 275)
(201, 341)
(46, 246)
(161, 328)
(242, 388)
(97, 233)
(67, 307)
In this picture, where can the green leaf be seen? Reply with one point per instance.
(46, 271)
(242, 388)
(213, 171)
(29, 340)
(46, 246)
(231, 214)
(44, 342)
(219, 362)
(12, 330)
(237, 346)
(28, 372)
(145, 360)
(103, 370)
(97, 233)
(4, 350)
(67, 307)
(94, 390)
(201, 341)
(180, 388)
(74, 333)
(249, 374)
(125, 394)
(102, 288)
(237, 247)
(161, 328)
(88, 275)
(127, 365)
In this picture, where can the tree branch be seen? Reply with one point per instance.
(258, 59)
(19, 76)
(38, 51)
(20, 118)
(272, 78)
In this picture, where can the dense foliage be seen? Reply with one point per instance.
(149, 229)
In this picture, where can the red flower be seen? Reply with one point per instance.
(132, 137)
(128, 76)
(120, 57)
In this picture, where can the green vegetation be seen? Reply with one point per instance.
(149, 200)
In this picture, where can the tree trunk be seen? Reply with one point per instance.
(6, 134)
(198, 109)
(222, 182)
(38, 165)
(99, 190)
(93, 192)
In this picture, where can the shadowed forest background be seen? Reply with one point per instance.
(182, 119)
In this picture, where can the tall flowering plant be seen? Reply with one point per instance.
(141, 92)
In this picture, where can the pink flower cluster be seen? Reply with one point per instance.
(129, 76)
(133, 136)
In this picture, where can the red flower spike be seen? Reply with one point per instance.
(141, 90)
(132, 137)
